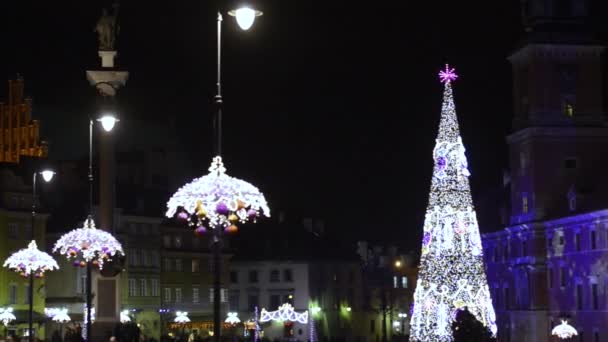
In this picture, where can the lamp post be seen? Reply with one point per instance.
(47, 176)
(218, 200)
(93, 245)
(402, 315)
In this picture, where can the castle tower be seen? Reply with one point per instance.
(560, 134)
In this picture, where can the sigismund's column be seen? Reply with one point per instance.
(107, 80)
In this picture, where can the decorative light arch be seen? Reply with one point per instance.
(284, 313)
(564, 330)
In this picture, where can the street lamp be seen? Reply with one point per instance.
(31, 262)
(93, 246)
(216, 201)
(402, 315)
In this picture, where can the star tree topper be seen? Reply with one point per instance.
(447, 75)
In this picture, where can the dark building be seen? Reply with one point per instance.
(547, 264)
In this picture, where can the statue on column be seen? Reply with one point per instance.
(107, 28)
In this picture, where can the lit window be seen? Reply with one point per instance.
(404, 282)
(143, 284)
(178, 295)
(524, 203)
(195, 266)
(395, 281)
(195, 298)
(569, 110)
(167, 294)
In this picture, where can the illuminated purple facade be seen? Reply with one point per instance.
(551, 261)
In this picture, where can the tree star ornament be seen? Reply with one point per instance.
(30, 260)
(447, 75)
(217, 200)
(88, 243)
(452, 273)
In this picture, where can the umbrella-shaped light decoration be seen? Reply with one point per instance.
(181, 317)
(89, 244)
(124, 316)
(217, 200)
(61, 316)
(6, 315)
(564, 330)
(232, 318)
(31, 260)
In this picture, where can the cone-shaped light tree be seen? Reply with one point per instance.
(452, 274)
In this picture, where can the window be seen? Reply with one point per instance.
(252, 302)
(253, 276)
(596, 336)
(274, 276)
(524, 248)
(275, 302)
(154, 259)
(178, 265)
(178, 295)
(143, 284)
(570, 163)
(592, 238)
(145, 259)
(562, 241)
(569, 109)
(26, 294)
(577, 241)
(195, 266)
(81, 281)
(167, 294)
(579, 296)
(12, 294)
(523, 162)
(351, 276)
(507, 298)
(154, 287)
(234, 277)
(167, 241)
(132, 287)
(234, 301)
(177, 241)
(372, 326)
(404, 282)
(395, 282)
(550, 278)
(13, 230)
(27, 229)
(594, 296)
(195, 297)
(524, 202)
(168, 264)
(562, 277)
(133, 257)
(287, 275)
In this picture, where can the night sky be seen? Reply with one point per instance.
(331, 108)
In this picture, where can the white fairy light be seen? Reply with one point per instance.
(217, 200)
(232, 318)
(88, 243)
(181, 317)
(6, 315)
(564, 330)
(31, 260)
(284, 313)
(61, 316)
(452, 273)
(124, 316)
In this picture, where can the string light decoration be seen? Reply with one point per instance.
(564, 330)
(61, 316)
(452, 274)
(88, 244)
(181, 317)
(6, 315)
(232, 318)
(284, 313)
(31, 260)
(85, 320)
(217, 200)
(124, 316)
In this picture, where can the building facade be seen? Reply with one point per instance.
(19, 134)
(547, 265)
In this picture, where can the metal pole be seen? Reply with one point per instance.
(217, 236)
(89, 285)
(30, 292)
(218, 97)
(90, 217)
(383, 299)
(216, 246)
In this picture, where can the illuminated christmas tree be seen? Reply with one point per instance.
(452, 274)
